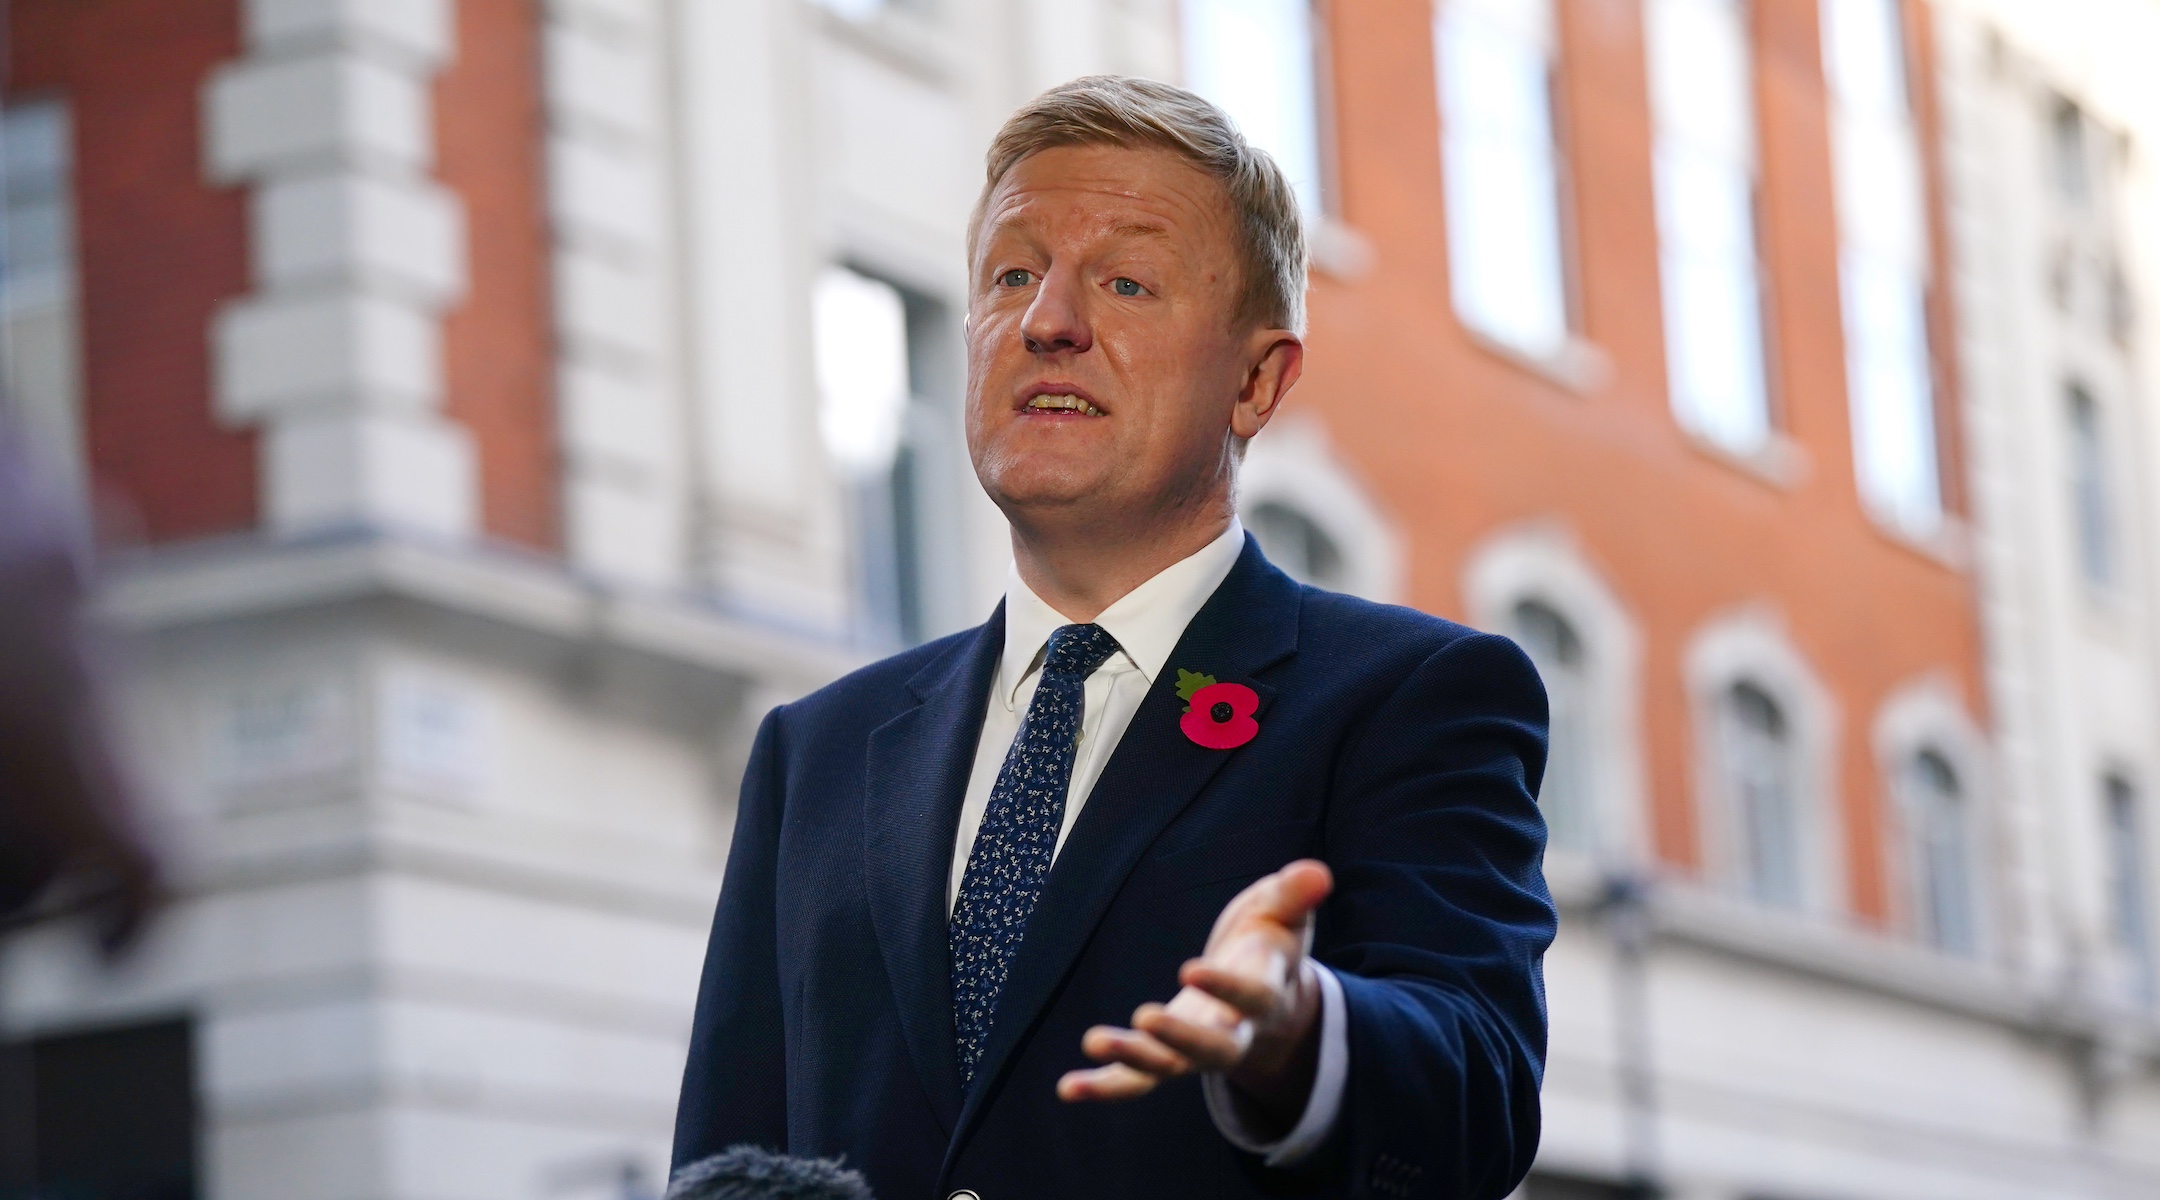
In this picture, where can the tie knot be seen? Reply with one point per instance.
(1078, 649)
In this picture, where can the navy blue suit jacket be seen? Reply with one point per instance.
(1402, 750)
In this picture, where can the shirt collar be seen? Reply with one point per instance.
(1146, 621)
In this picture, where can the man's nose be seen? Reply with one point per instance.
(1057, 319)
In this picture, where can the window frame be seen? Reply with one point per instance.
(1541, 561)
(2138, 964)
(1857, 251)
(1293, 463)
(1561, 356)
(1751, 645)
(1769, 452)
(1928, 714)
(1326, 204)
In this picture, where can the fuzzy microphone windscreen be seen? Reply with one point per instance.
(752, 1173)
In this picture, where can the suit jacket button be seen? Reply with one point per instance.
(963, 1194)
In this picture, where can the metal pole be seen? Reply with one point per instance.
(1625, 906)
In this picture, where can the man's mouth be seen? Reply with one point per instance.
(1064, 403)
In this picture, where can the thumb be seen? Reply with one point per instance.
(1299, 889)
(1287, 897)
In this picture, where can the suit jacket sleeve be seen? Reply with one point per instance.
(1438, 927)
(735, 1083)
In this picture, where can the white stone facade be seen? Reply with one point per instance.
(448, 820)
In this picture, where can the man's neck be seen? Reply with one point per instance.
(1080, 576)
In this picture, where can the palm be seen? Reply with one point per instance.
(1248, 1007)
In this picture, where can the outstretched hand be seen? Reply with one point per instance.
(1249, 1007)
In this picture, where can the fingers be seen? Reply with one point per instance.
(1135, 1062)
(1243, 984)
(1254, 999)
(1114, 1082)
(1204, 1045)
(1135, 1048)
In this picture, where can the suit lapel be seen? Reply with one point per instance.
(1248, 625)
(918, 773)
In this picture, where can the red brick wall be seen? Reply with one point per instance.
(498, 343)
(158, 247)
(1458, 441)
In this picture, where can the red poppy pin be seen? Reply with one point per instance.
(1217, 715)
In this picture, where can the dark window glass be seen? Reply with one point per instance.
(2066, 146)
(2127, 900)
(106, 1115)
(1942, 833)
(1542, 1186)
(2089, 488)
(1296, 543)
(1553, 645)
(1760, 780)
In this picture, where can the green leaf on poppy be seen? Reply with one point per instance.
(1189, 682)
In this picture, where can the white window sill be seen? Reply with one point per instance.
(1950, 545)
(1577, 365)
(902, 39)
(1338, 250)
(1780, 461)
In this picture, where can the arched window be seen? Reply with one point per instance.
(2089, 488)
(1942, 837)
(1297, 544)
(1761, 768)
(2129, 914)
(1557, 650)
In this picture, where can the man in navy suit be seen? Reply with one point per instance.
(954, 868)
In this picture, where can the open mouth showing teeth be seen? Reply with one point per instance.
(1064, 404)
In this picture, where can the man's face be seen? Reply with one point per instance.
(1107, 366)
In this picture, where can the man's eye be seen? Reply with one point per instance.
(1014, 278)
(1126, 287)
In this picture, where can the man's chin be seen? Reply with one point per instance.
(1047, 488)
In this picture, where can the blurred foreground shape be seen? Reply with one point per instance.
(514, 400)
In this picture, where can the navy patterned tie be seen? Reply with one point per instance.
(1018, 837)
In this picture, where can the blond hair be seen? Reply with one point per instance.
(1115, 110)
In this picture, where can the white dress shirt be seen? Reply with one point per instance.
(1147, 623)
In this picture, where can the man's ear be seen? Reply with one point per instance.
(1274, 373)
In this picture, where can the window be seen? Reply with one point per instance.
(37, 303)
(1557, 651)
(1942, 835)
(2066, 152)
(2128, 912)
(1255, 59)
(1297, 544)
(108, 1115)
(1882, 264)
(862, 369)
(1760, 769)
(872, 341)
(1543, 1186)
(1493, 61)
(2089, 489)
(863, 10)
(1701, 94)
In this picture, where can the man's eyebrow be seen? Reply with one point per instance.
(1141, 229)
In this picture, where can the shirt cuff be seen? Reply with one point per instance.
(1321, 1108)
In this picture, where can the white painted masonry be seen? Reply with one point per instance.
(356, 252)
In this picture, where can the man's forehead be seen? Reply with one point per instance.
(1130, 192)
